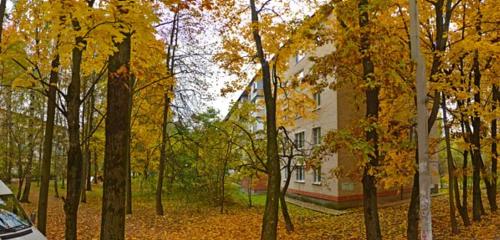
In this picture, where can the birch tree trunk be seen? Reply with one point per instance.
(422, 127)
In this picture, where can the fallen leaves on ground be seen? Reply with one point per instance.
(192, 221)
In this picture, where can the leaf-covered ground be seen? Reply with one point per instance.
(192, 221)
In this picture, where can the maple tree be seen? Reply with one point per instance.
(128, 76)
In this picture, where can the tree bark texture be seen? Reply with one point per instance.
(117, 139)
(372, 224)
(74, 164)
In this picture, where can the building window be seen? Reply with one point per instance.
(299, 173)
(300, 55)
(299, 140)
(317, 175)
(317, 99)
(255, 86)
(301, 75)
(285, 174)
(316, 135)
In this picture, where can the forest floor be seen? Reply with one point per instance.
(184, 220)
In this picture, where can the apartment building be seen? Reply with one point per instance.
(334, 110)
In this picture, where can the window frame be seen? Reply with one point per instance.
(317, 99)
(299, 56)
(316, 138)
(301, 144)
(317, 178)
(301, 75)
(300, 174)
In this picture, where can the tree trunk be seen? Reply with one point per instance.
(270, 220)
(83, 197)
(95, 167)
(284, 207)
(494, 152)
(89, 165)
(88, 153)
(3, 6)
(170, 64)
(56, 178)
(74, 165)
(249, 192)
(56, 188)
(8, 169)
(27, 186)
(461, 209)
(441, 37)
(163, 156)
(422, 126)
(370, 208)
(20, 171)
(129, 132)
(223, 175)
(84, 139)
(451, 167)
(413, 209)
(31, 150)
(476, 141)
(10, 138)
(465, 186)
(117, 139)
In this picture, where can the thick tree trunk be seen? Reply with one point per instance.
(74, 165)
(441, 37)
(422, 126)
(270, 220)
(476, 142)
(117, 139)
(372, 225)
